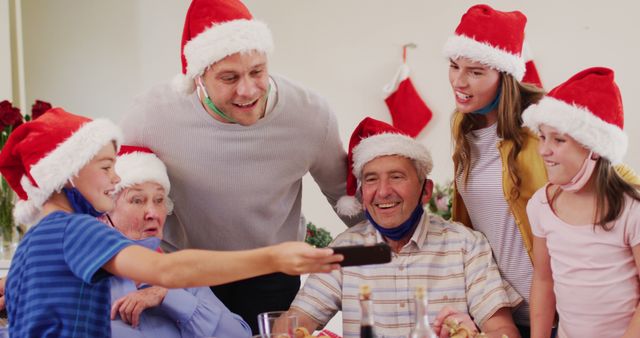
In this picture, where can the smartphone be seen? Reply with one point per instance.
(364, 254)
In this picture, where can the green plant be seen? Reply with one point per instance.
(441, 200)
(317, 237)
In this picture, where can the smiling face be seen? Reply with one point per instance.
(97, 179)
(391, 189)
(238, 86)
(563, 156)
(474, 84)
(140, 211)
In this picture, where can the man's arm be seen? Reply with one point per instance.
(190, 268)
(304, 320)
(501, 323)
(133, 121)
(542, 301)
(329, 168)
(487, 292)
(318, 300)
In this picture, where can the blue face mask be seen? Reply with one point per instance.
(79, 203)
(152, 243)
(492, 105)
(401, 230)
(405, 227)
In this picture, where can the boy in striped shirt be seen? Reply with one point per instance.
(452, 262)
(61, 166)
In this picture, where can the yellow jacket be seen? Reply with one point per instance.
(533, 176)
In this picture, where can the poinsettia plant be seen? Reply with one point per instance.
(441, 200)
(10, 119)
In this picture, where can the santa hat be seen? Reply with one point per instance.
(372, 139)
(587, 107)
(41, 156)
(491, 37)
(213, 30)
(531, 75)
(138, 165)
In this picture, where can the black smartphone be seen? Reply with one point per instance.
(364, 254)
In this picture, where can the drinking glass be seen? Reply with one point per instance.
(277, 322)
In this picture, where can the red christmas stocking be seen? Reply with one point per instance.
(408, 111)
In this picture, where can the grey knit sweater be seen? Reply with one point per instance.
(239, 187)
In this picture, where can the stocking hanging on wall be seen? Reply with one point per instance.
(531, 75)
(408, 111)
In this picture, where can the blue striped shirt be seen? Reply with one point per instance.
(56, 287)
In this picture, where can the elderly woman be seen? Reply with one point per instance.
(140, 310)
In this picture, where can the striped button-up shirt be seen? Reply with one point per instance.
(453, 263)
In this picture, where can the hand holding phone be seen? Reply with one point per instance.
(364, 254)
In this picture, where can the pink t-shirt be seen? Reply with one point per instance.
(594, 273)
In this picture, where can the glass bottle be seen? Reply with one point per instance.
(366, 307)
(422, 329)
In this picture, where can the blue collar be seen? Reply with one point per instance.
(151, 243)
(492, 105)
(79, 203)
(401, 230)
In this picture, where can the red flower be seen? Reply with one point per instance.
(9, 116)
(39, 108)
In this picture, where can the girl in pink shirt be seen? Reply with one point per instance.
(586, 220)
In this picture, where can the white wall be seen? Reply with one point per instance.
(6, 89)
(93, 56)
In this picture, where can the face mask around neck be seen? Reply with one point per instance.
(405, 227)
(582, 176)
(152, 243)
(79, 203)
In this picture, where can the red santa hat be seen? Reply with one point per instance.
(587, 107)
(138, 165)
(531, 75)
(491, 37)
(213, 30)
(372, 139)
(41, 156)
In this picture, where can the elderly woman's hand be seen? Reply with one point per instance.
(130, 307)
(296, 258)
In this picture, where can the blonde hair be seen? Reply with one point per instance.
(514, 99)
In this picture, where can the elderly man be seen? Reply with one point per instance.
(237, 141)
(140, 310)
(452, 262)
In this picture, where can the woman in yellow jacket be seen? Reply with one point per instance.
(497, 165)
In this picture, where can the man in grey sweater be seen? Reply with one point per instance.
(237, 142)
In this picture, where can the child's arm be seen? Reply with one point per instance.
(633, 330)
(543, 301)
(190, 268)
